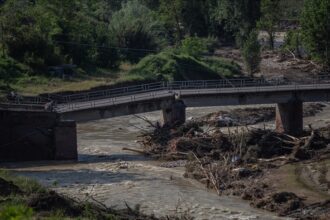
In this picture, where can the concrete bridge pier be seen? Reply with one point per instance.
(174, 113)
(289, 117)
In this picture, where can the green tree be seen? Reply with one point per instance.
(170, 11)
(136, 31)
(187, 17)
(27, 29)
(270, 17)
(238, 17)
(315, 22)
(251, 52)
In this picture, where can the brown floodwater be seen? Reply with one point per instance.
(116, 177)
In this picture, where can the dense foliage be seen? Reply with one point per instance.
(270, 17)
(251, 53)
(38, 34)
(315, 22)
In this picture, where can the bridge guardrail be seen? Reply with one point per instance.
(176, 85)
(131, 91)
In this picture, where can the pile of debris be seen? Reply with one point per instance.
(234, 163)
(244, 145)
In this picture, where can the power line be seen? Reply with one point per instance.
(104, 47)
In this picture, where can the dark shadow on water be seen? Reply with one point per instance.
(88, 158)
(83, 176)
(82, 159)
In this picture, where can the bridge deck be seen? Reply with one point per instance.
(68, 107)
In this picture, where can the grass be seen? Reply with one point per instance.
(169, 66)
(165, 66)
(28, 186)
(35, 85)
(85, 79)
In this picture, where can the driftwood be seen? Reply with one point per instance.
(274, 159)
(208, 175)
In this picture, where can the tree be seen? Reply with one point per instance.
(170, 11)
(270, 17)
(186, 17)
(251, 52)
(238, 17)
(315, 22)
(136, 31)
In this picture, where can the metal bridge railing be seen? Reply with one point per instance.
(181, 85)
(130, 92)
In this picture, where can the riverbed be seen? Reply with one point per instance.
(115, 177)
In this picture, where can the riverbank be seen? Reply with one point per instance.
(23, 199)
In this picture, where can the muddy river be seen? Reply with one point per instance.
(115, 177)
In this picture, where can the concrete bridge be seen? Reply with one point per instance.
(288, 96)
(172, 98)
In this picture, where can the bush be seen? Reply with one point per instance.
(251, 53)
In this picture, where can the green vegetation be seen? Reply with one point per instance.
(251, 53)
(315, 21)
(169, 66)
(293, 42)
(237, 18)
(291, 9)
(270, 17)
(136, 27)
(103, 35)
